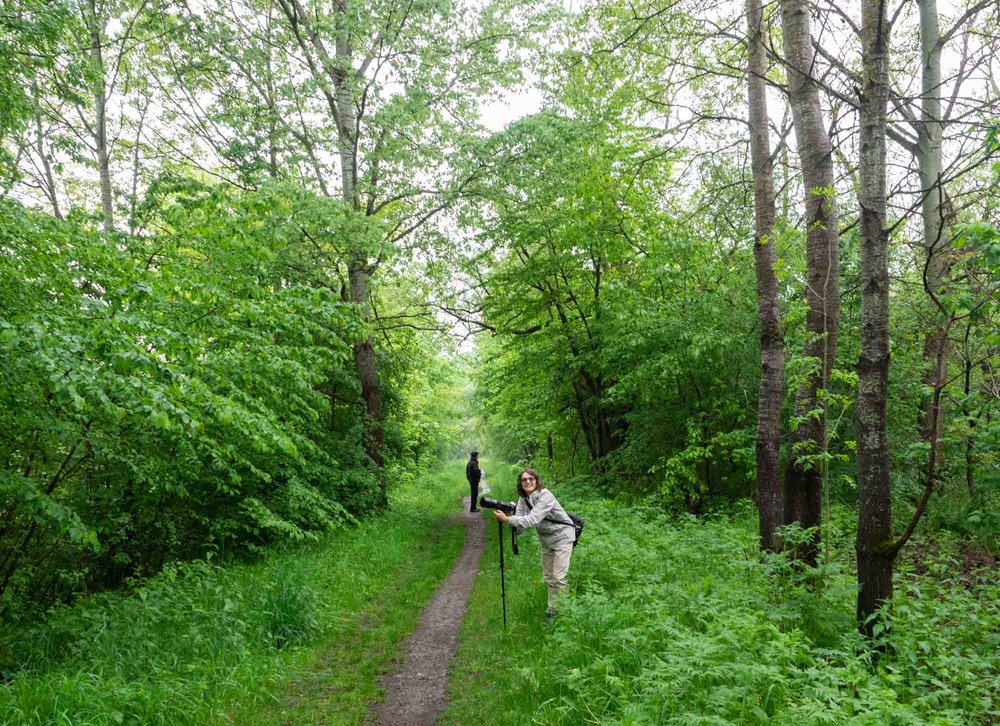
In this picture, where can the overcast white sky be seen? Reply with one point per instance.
(513, 105)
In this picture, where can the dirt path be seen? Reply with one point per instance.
(417, 692)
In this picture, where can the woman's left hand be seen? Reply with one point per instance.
(500, 515)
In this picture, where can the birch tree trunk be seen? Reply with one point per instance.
(937, 234)
(876, 549)
(772, 338)
(95, 28)
(803, 482)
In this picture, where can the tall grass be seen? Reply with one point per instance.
(679, 620)
(305, 629)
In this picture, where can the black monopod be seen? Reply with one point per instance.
(508, 508)
(503, 589)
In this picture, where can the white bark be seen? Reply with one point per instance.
(95, 29)
(930, 133)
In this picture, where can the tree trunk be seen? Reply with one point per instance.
(970, 480)
(364, 361)
(589, 434)
(134, 201)
(876, 549)
(605, 421)
(359, 270)
(95, 28)
(772, 338)
(937, 235)
(49, 183)
(346, 119)
(875, 571)
(803, 482)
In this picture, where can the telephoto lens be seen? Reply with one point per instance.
(505, 507)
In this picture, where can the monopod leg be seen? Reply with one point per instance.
(503, 592)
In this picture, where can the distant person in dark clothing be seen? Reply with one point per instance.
(473, 473)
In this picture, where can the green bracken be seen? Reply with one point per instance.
(680, 620)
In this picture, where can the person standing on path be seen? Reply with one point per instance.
(537, 507)
(473, 473)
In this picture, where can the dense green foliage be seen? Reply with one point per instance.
(174, 396)
(680, 620)
(608, 350)
(202, 644)
(225, 351)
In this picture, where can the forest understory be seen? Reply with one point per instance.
(670, 620)
(727, 275)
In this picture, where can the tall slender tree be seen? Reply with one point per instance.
(772, 338)
(937, 211)
(339, 76)
(930, 146)
(934, 210)
(875, 544)
(803, 477)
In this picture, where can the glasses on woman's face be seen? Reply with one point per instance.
(526, 479)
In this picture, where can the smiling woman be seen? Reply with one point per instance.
(537, 507)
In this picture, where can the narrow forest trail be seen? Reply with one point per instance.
(417, 692)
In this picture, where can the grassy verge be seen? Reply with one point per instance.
(678, 620)
(300, 637)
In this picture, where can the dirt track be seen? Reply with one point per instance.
(418, 691)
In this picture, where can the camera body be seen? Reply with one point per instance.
(507, 508)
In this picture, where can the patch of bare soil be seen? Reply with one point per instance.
(975, 566)
(417, 692)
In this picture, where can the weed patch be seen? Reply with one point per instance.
(303, 633)
(680, 620)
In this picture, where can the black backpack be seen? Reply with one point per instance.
(577, 526)
(576, 522)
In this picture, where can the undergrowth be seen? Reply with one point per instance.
(680, 620)
(307, 628)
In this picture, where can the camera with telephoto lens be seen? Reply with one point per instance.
(507, 508)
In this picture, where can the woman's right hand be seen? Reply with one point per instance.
(502, 516)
